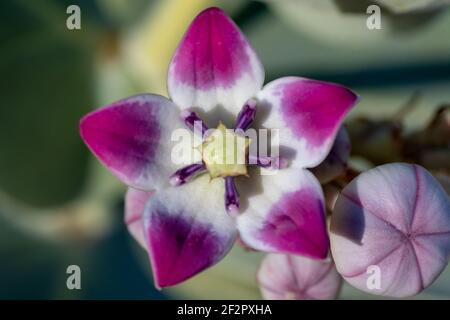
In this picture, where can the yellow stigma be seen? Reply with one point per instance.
(224, 153)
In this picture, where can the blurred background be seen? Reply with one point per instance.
(59, 207)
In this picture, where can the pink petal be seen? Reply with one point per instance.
(287, 216)
(288, 277)
(135, 201)
(395, 217)
(214, 65)
(308, 114)
(336, 161)
(187, 230)
(131, 138)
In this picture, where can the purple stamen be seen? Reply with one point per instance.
(185, 174)
(194, 122)
(268, 162)
(231, 197)
(246, 115)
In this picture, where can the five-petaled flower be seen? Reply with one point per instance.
(215, 75)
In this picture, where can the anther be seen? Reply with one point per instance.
(246, 115)
(185, 174)
(194, 122)
(231, 197)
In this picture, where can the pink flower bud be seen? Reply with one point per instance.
(289, 277)
(390, 230)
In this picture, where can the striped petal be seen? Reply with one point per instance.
(287, 216)
(288, 277)
(391, 222)
(187, 230)
(214, 65)
(308, 115)
(132, 138)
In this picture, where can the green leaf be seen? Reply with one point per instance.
(46, 86)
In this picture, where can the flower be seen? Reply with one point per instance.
(178, 212)
(395, 218)
(288, 277)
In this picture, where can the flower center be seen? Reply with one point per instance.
(224, 153)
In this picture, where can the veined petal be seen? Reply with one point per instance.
(135, 201)
(308, 115)
(214, 65)
(288, 277)
(132, 138)
(187, 229)
(288, 216)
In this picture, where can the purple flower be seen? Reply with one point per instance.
(391, 223)
(192, 219)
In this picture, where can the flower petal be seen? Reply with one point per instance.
(135, 201)
(395, 217)
(308, 114)
(132, 138)
(214, 65)
(288, 216)
(187, 229)
(288, 277)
